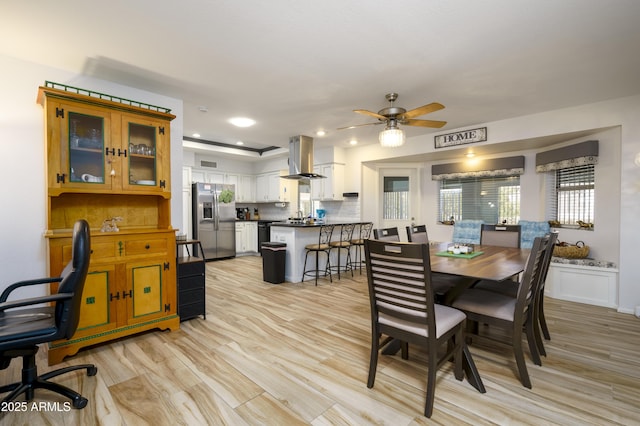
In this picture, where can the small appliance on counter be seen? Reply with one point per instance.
(320, 213)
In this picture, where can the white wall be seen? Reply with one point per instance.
(23, 254)
(618, 204)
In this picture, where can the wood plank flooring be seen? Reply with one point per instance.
(295, 354)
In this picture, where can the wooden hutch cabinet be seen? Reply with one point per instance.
(108, 161)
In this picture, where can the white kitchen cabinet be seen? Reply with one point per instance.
(332, 186)
(245, 187)
(246, 237)
(270, 187)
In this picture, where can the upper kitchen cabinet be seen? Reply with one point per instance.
(332, 186)
(271, 187)
(101, 146)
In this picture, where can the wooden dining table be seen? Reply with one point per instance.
(494, 263)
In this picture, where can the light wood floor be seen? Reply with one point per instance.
(298, 354)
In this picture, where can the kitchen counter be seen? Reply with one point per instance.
(297, 236)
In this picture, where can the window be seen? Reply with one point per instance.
(492, 199)
(395, 202)
(572, 195)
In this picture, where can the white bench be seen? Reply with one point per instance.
(590, 281)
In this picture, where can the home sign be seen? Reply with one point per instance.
(461, 138)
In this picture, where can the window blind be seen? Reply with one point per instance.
(571, 195)
(492, 199)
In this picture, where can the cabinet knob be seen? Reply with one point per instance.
(147, 246)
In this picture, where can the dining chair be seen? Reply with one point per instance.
(513, 314)
(343, 243)
(324, 238)
(467, 231)
(25, 323)
(441, 284)
(386, 234)
(500, 235)
(417, 234)
(357, 242)
(403, 308)
(510, 288)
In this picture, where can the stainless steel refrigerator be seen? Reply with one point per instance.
(214, 219)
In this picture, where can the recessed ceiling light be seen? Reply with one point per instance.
(321, 133)
(239, 143)
(242, 121)
(196, 135)
(353, 142)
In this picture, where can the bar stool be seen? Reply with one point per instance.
(344, 243)
(358, 243)
(324, 238)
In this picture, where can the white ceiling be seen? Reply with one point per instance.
(299, 66)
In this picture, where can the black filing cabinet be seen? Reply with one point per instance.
(191, 276)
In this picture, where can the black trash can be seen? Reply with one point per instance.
(273, 260)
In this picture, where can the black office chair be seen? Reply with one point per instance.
(21, 330)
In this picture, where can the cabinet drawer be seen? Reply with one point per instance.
(190, 268)
(192, 282)
(99, 251)
(191, 310)
(138, 247)
(191, 296)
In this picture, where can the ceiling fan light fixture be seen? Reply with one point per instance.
(391, 137)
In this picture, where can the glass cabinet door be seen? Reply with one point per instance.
(142, 154)
(86, 149)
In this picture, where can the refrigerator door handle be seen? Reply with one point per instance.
(216, 212)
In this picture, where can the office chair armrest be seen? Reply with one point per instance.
(34, 301)
(7, 291)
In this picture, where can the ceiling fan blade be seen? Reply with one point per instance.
(425, 109)
(358, 125)
(424, 123)
(370, 113)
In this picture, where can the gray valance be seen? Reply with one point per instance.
(580, 154)
(508, 166)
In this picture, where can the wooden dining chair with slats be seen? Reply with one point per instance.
(441, 284)
(509, 313)
(386, 234)
(403, 308)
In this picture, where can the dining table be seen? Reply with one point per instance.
(485, 262)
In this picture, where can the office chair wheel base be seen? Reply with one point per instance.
(92, 371)
(80, 402)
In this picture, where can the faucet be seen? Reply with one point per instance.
(299, 214)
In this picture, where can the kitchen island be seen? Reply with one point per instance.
(297, 236)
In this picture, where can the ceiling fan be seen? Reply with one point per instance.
(392, 135)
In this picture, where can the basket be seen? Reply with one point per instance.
(569, 251)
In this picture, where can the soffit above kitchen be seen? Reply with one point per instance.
(299, 67)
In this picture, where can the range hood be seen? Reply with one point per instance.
(301, 158)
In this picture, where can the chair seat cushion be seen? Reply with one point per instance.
(317, 247)
(340, 244)
(27, 323)
(358, 242)
(507, 287)
(446, 319)
(487, 303)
